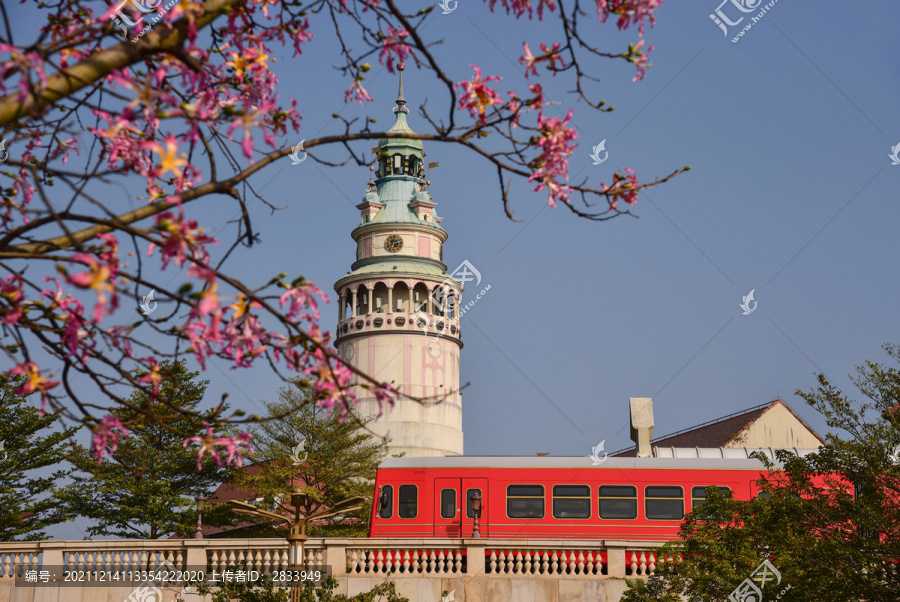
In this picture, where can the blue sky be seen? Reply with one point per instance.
(791, 193)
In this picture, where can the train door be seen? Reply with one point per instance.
(454, 517)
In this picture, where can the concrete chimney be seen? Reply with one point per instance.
(642, 425)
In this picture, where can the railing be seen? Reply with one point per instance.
(491, 558)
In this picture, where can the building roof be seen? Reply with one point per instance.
(718, 432)
(735, 458)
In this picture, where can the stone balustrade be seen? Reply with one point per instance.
(358, 564)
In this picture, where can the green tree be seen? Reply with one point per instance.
(148, 491)
(341, 458)
(26, 503)
(832, 523)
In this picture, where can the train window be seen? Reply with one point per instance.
(470, 513)
(698, 495)
(448, 503)
(663, 502)
(525, 501)
(571, 501)
(618, 502)
(764, 495)
(386, 502)
(407, 501)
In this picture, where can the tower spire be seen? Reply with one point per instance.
(401, 102)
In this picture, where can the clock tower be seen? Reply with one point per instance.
(398, 319)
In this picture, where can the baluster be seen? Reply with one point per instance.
(370, 561)
(395, 556)
(526, 563)
(431, 562)
(634, 565)
(267, 562)
(379, 565)
(493, 563)
(591, 564)
(457, 561)
(581, 563)
(643, 563)
(406, 561)
(554, 564)
(354, 561)
(544, 556)
(652, 563)
(231, 558)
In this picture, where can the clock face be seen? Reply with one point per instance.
(393, 244)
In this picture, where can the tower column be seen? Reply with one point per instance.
(341, 308)
(369, 307)
(353, 292)
(390, 299)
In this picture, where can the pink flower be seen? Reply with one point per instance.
(520, 7)
(477, 96)
(356, 93)
(235, 446)
(629, 11)
(392, 44)
(300, 298)
(552, 165)
(35, 382)
(106, 435)
(623, 187)
(11, 294)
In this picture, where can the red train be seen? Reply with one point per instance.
(636, 499)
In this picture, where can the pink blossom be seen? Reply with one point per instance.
(624, 186)
(521, 7)
(356, 93)
(35, 382)
(477, 96)
(235, 446)
(552, 165)
(392, 44)
(629, 12)
(300, 298)
(11, 294)
(106, 437)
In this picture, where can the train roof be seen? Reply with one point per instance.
(739, 458)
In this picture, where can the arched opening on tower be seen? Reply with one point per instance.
(380, 301)
(347, 308)
(401, 298)
(362, 300)
(420, 298)
(440, 297)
